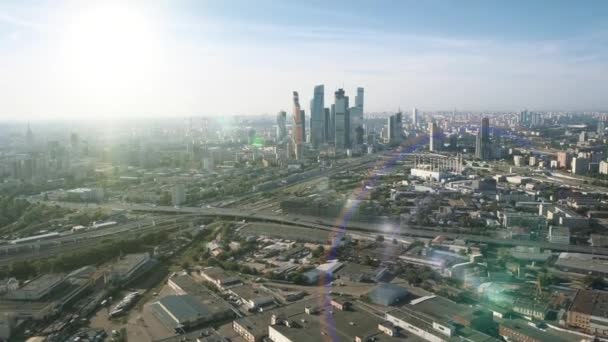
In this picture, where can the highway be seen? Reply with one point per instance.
(330, 225)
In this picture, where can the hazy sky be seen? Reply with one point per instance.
(85, 58)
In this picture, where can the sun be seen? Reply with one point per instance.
(110, 44)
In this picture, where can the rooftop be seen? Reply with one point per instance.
(184, 308)
(581, 261)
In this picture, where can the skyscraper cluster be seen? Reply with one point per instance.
(339, 125)
(529, 119)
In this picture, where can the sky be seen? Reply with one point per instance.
(173, 58)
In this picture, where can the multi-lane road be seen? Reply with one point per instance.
(338, 226)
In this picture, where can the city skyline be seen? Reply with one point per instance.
(63, 60)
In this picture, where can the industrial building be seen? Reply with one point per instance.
(388, 294)
(182, 312)
(130, 266)
(583, 263)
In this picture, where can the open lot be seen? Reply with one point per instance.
(285, 232)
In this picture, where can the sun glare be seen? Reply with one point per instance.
(108, 44)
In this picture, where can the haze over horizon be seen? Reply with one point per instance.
(71, 59)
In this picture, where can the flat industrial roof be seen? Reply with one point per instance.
(184, 308)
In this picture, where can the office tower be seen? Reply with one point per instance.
(342, 120)
(435, 137)
(327, 125)
(356, 120)
(390, 129)
(303, 121)
(332, 124)
(356, 115)
(601, 127)
(317, 116)
(398, 127)
(281, 126)
(482, 143)
(359, 132)
(299, 134)
(359, 98)
(583, 137)
(395, 128)
(415, 116)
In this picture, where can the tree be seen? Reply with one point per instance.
(165, 199)
(594, 282)
(317, 252)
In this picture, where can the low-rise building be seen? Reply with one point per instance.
(219, 277)
(589, 312)
(531, 309)
(583, 263)
(559, 235)
(183, 312)
(130, 266)
(253, 298)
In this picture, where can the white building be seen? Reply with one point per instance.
(603, 168)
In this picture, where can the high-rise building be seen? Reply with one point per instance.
(332, 124)
(415, 116)
(359, 98)
(399, 127)
(299, 134)
(356, 115)
(356, 121)
(342, 120)
(601, 128)
(580, 166)
(395, 128)
(435, 137)
(327, 125)
(359, 132)
(482, 143)
(563, 160)
(317, 116)
(281, 126)
(29, 138)
(524, 118)
(390, 129)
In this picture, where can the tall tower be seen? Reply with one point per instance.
(482, 142)
(415, 116)
(359, 98)
(435, 137)
(298, 129)
(398, 127)
(342, 120)
(29, 137)
(317, 116)
(281, 126)
(356, 116)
